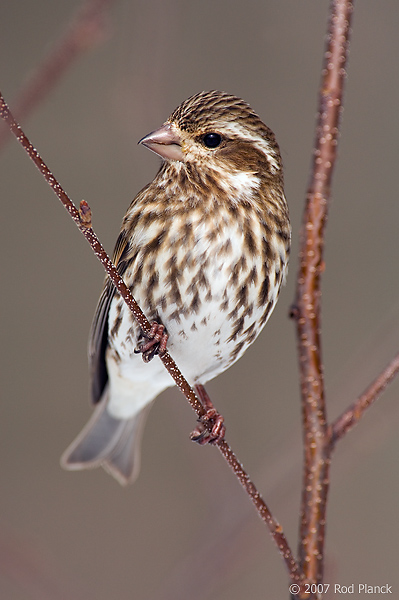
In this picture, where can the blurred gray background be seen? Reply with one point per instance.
(185, 529)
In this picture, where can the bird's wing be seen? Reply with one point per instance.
(98, 338)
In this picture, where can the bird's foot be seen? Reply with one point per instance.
(152, 343)
(202, 434)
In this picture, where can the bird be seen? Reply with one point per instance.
(204, 250)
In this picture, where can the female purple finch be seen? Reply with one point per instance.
(204, 250)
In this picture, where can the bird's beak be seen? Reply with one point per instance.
(165, 142)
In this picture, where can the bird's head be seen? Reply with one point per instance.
(218, 132)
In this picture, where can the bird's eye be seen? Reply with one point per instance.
(212, 140)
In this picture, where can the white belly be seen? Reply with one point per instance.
(209, 319)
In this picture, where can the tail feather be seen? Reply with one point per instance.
(124, 461)
(110, 443)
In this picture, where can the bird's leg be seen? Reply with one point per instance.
(201, 434)
(152, 343)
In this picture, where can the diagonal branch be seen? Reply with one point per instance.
(307, 303)
(82, 219)
(87, 29)
(354, 413)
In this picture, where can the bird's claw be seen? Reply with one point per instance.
(203, 435)
(154, 342)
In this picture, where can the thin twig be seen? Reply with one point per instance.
(87, 29)
(353, 414)
(307, 302)
(82, 219)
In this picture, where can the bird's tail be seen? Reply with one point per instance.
(110, 443)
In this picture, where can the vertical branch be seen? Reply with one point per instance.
(307, 303)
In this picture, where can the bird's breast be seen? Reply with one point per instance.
(212, 278)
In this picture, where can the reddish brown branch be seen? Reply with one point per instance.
(87, 29)
(275, 528)
(82, 219)
(307, 303)
(353, 414)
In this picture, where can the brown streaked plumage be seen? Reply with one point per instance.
(204, 249)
